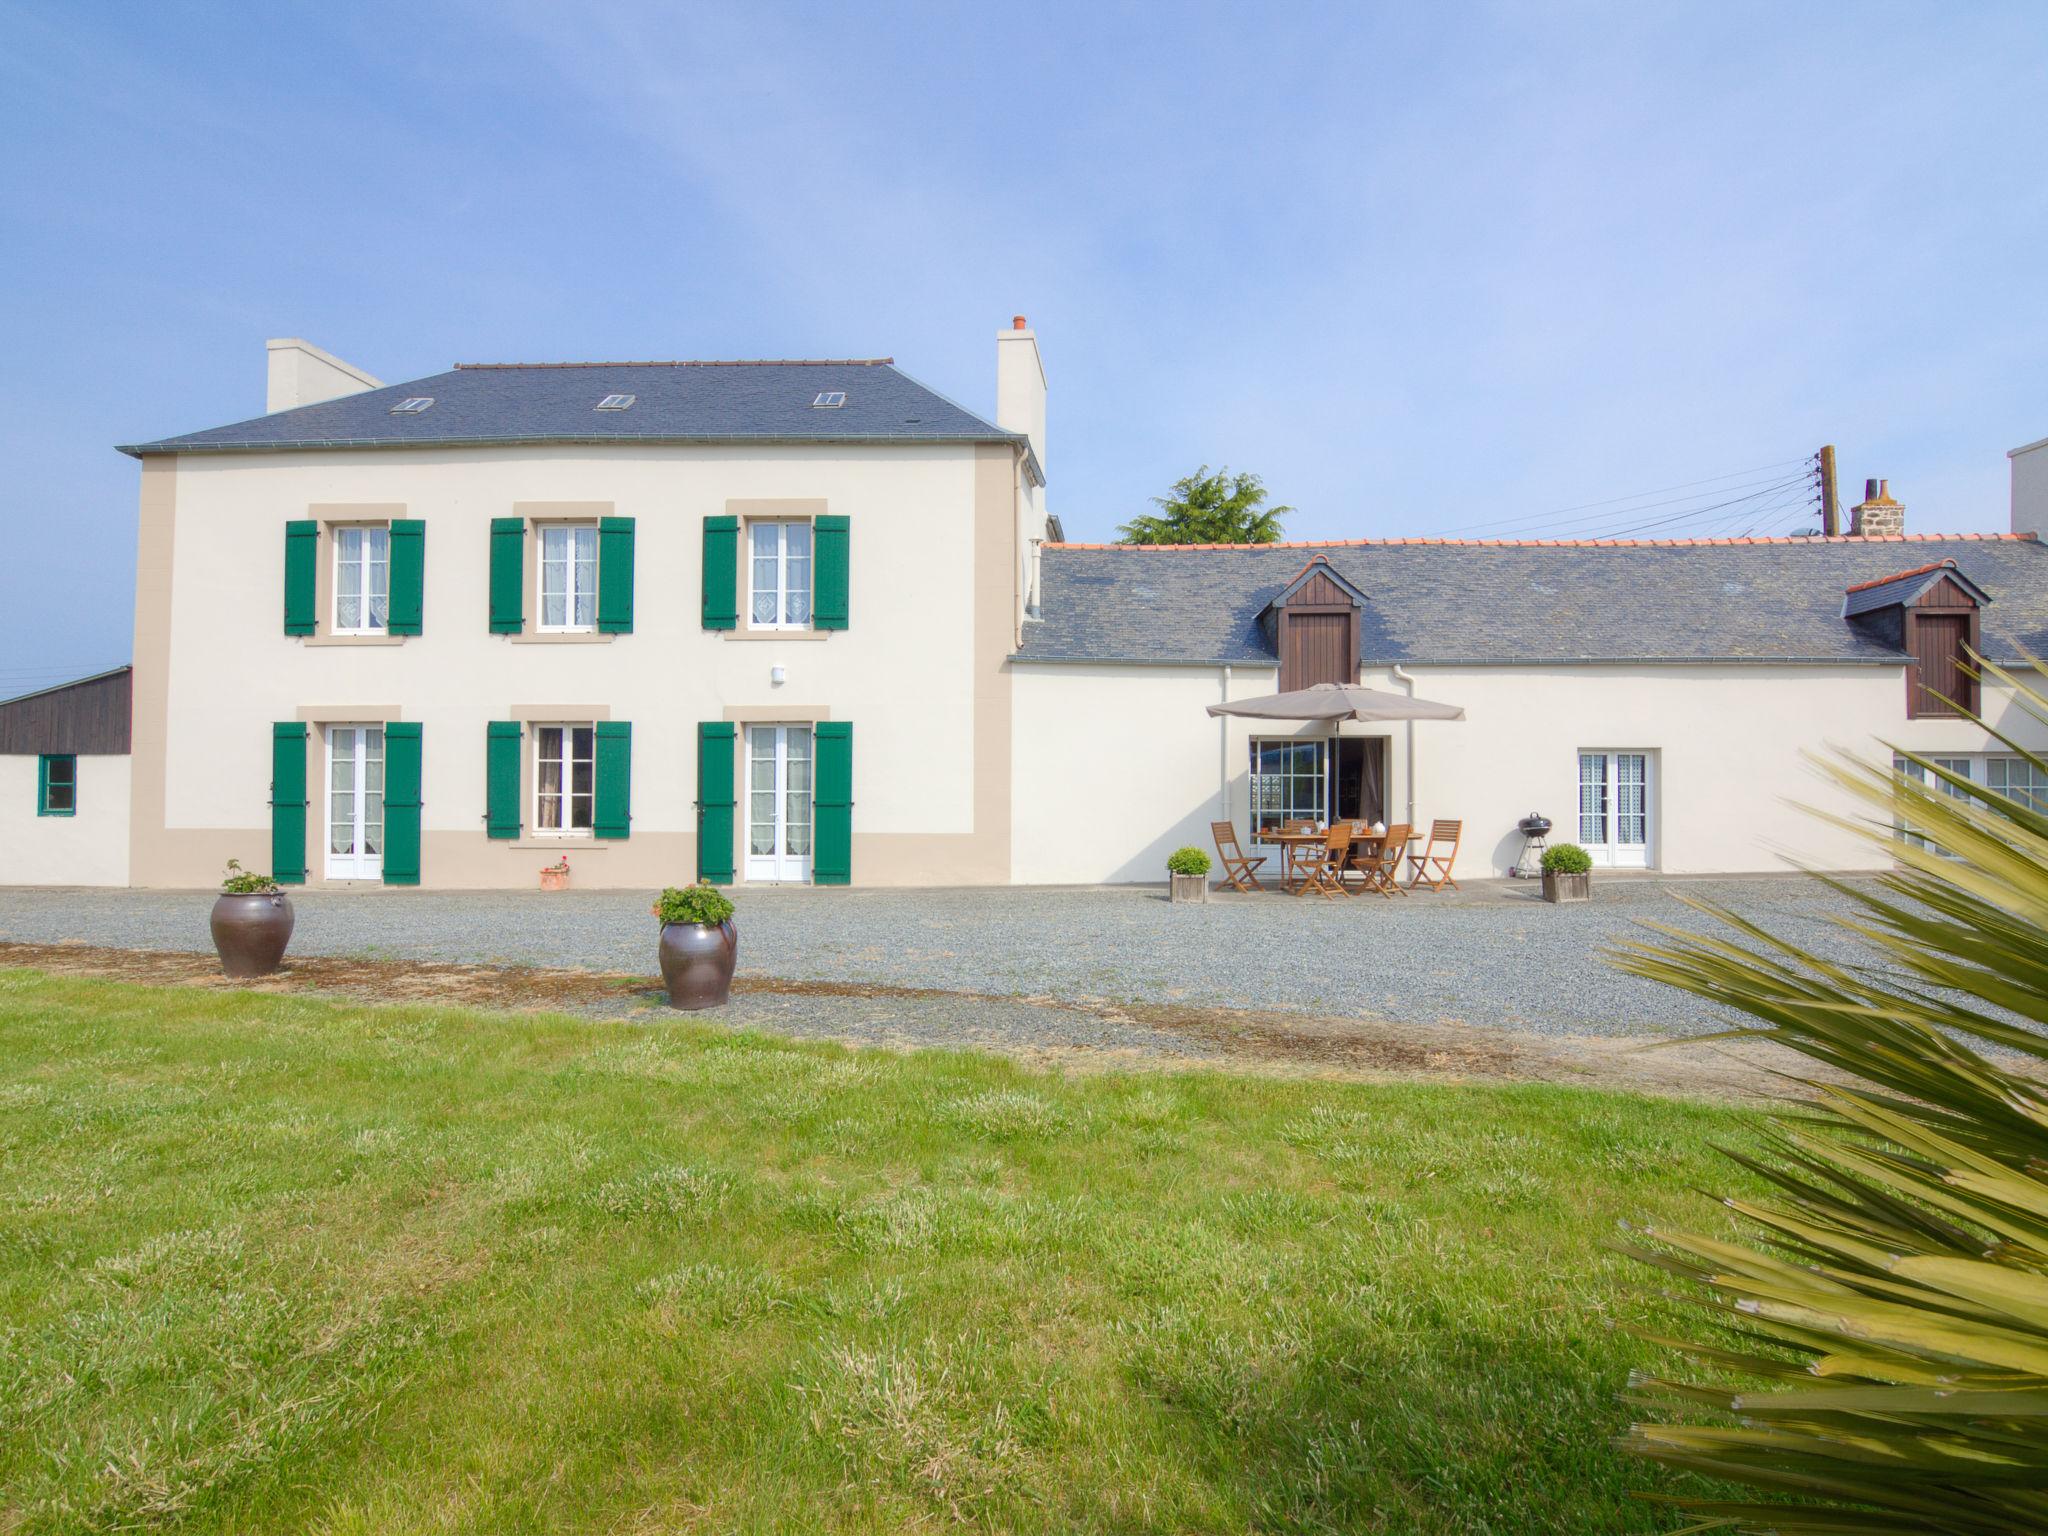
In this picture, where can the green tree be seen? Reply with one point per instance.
(1877, 1350)
(1209, 509)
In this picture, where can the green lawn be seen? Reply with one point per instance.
(274, 1263)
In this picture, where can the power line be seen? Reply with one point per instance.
(1510, 527)
(1711, 480)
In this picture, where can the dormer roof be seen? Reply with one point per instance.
(1905, 588)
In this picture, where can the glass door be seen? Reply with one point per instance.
(355, 802)
(779, 802)
(1614, 808)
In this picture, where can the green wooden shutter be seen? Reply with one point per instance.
(612, 814)
(722, 576)
(832, 805)
(301, 562)
(615, 575)
(288, 802)
(402, 802)
(408, 573)
(508, 575)
(715, 800)
(501, 778)
(830, 541)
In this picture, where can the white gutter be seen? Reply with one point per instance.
(1401, 673)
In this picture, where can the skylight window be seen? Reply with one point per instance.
(617, 402)
(412, 405)
(829, 400)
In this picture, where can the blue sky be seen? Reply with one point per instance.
(1424, 268)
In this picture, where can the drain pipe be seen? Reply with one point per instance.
(1402, 674)
(1223, 748)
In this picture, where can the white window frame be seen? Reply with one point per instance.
(787, 863)
(1608, 850)
(1273, 797)
(364, 531)
(2034, 795)
(568, 794)
(572, 588)
(360, 864)
(789, 594)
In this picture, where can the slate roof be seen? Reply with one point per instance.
(496, 404)
(1468, 603)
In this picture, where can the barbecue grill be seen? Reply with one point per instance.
(1535, 830)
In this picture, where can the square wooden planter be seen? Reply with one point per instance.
(1562, 888)
(1190, 888)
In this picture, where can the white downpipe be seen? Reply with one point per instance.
(1223, 749)
(1408, 681)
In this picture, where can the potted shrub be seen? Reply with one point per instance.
(1189, 869)
(252, 922)
(1567, 873)
(698, 946)
(555, 876)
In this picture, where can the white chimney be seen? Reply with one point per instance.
(2030, 488)
(302, 374)
(1020, 385)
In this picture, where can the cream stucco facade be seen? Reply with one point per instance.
(87, 847)
(1119, 765)
(920, 669)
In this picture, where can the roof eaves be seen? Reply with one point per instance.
(536, 440)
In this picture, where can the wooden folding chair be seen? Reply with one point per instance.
(1383, 870)
(1433, 869)
(1238, 867)
(1326, 875)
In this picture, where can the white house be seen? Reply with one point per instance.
(812, 621)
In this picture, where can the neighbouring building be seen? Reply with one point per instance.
(810, 621)
(64, 783)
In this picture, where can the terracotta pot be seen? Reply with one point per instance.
(1190, 888)
(697, 961)
(1560, 888)
(250, 932)
(554, 879)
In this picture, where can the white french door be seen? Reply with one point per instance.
(1614, 808)
(778, 802)
(355, 802)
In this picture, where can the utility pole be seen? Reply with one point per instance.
(1830, 518)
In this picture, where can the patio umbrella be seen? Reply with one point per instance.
(1338, 701)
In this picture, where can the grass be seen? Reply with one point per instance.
(274, 1263)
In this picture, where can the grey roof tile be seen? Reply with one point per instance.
(1487, 604)
(675, 402)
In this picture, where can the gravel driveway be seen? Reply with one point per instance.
(1494, 955)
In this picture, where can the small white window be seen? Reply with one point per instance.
(779, 583)
(617, 402)
(568, 577)
(564, 780)
(829, 400)
(412, 405)
(362, 580)
(2017, 777)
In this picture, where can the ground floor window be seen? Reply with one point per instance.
(2003, 774)
(2017, 777)
(57, 784)
(1290, 781)
(355, 802)
(1614, 808)
(779, 802)
(564, 780)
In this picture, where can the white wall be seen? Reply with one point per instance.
(903, 671)
(1117, 766)
(2030, 488)
(89, 848)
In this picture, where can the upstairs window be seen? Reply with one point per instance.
(57, 784)
(779, 587)
(568, 577)
(362, 580)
